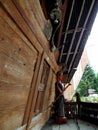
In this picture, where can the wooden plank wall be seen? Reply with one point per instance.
(23, 51)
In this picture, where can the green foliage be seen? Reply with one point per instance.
(89, 80)
(89, 99)
(96, 82)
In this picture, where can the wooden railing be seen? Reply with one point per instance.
(89, 111)
(71, 109)
(82, 110)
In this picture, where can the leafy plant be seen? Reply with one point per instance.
(88, 81)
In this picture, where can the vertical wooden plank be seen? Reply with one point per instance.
(42, 87)
(31, 97)
(38, 13)
(17, 63)
(36, 90)
(11, 9)
(14, 27)
(52, 95)
(47, 91)
(30, 16)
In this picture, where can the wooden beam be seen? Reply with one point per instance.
(84, 26)
(66, 30)
(72, 30)
(63, 9)
(73, 37)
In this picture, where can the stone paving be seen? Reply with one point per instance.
(72, 124)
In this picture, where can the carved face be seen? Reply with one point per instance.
(55, 15)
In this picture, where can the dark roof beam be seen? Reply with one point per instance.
(71, 53)
(77, 24)
(66, 30)
(80, 38)
(74, 65)
(72, 30)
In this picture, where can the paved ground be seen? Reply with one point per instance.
(72, 124)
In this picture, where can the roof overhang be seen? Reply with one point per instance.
(70, 39)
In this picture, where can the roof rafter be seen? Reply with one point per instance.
(77, 24)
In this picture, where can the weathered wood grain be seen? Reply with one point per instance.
(6, 17)
(23, 50)
(47, 92)
(31, 15)
(27, 22)
(17, 64)
(20, 22)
